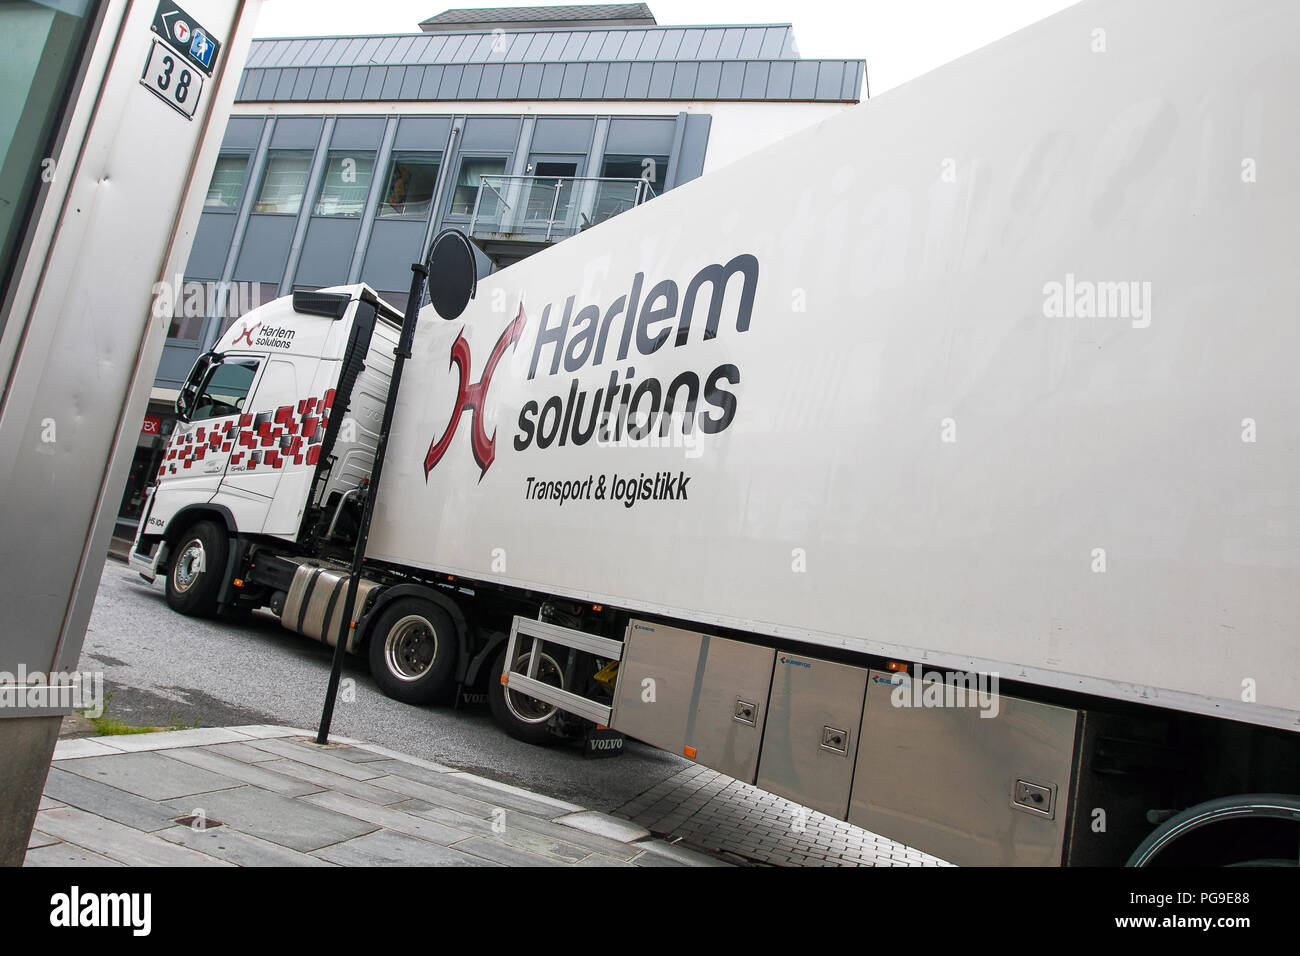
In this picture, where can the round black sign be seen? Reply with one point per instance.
(453, 273)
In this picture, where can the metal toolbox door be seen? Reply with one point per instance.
(811, 735)
(656, 684)
(728, 726)
(974, 790)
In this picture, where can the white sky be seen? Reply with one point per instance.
(899, 39)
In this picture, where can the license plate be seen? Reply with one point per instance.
(170, 77)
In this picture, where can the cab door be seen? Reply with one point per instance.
(268, 440)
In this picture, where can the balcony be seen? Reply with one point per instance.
(515, 216)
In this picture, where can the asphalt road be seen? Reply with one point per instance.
(163, 669)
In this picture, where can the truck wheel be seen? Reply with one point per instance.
(413, 650)
(519, 715)
(196, 568)
(1212, 833)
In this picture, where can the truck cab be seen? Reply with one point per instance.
(276, 433)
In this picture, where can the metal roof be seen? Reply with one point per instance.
(629, 44)
(723, 62)
(608, 14)
(825, 80)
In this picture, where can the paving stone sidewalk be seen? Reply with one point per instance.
(269, 796)
(712, 811)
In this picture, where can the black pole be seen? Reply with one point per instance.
(346, 624)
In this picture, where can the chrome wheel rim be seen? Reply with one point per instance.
(410, 648)
(189, 565)
(527, 709)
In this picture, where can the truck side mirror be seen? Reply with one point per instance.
(453, 274)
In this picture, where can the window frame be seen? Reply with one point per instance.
(330, 156)
(411, 156)
(245, 155)
(272, 154)
(455, 182)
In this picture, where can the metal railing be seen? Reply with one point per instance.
(548, 208)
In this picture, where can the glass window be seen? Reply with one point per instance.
(468, 181)
(242, 298)
(225, 390)
(412, 178)
(41, 48)
(227, 184)
(284, 181)
(346, 184)
(653, 169)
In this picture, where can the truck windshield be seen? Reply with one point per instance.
(224, 391)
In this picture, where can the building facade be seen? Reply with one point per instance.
(519, 126)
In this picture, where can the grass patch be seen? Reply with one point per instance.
(108, 727)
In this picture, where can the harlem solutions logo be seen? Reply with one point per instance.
(625, 408)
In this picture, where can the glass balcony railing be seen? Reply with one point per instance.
(550, 208)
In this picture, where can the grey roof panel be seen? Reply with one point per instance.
(386, 46)
(302, 85)
(706, 84)
(751, 43)
(469, 83)
(638, 81)
(661, 81)
(616, 82)
(489, 86)
(711, 44)
(367, 52)
(552, 76)
(731, 39)
(610, 46)
(804, 86)
(572, 47)
(400, 52)
(779, 79)
(320, 83)
(392, 87)
(685, 79)
(284, 89)
(374, 85)
(571, 84)
(732, 81)
(754, 86)
(594, 80)
(530, 83)
(773, 44)
(356, 83)
(429, 85)
(511, 74)
(690, 44)
(449, 89)
(338, 83)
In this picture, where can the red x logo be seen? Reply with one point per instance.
(472, 398)
(248, 334)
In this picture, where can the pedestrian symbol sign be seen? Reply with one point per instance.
(193, 42)
(201, 48)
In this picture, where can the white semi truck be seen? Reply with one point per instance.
(936, 468)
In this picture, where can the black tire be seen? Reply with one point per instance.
(413, 651)
(1194, 820)
(196, 569)
(523, 717)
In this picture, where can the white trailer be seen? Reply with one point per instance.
(934, 468)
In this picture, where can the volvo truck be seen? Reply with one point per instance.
(935, 468)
